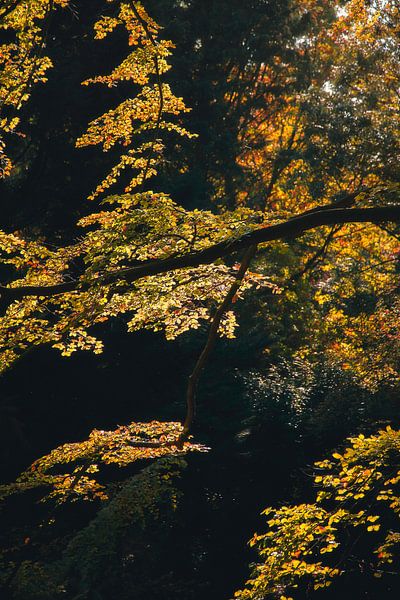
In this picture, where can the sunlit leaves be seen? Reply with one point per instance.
(291, 149)
(336, 136)
(23, 63)
(69, 471)
(304, 544)
(141, 114)
(133, 228)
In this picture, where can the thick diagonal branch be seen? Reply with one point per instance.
(292, 228)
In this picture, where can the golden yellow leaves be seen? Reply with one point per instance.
(104, 26)
(287, 549)
(138, 66)
(353, 493)
(137, 33)
(142, 114)
(137, 228)
(121, 124)
(5, 162)
(355, 314)
(22, 63)
(141, 227)
(80, 462)
(78, 339)
(368, 344)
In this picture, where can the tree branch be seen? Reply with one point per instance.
(211, 339)
(292, 228)
(201, 361)
(317, 256)
(159, 86)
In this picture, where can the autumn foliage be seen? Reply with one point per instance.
(317, 134)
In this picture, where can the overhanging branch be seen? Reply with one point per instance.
(292, 228)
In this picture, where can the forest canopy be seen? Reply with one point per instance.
(221, 181)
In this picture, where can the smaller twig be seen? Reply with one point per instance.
(211, 339)
(154, 42)
(317, 256)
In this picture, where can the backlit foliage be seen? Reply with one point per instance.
(133, 228)
(298, 160)
(70, 470)
(326, 133)
(138, 228)
(335, 135)
(23, 62)
(309, 545)
(141, 114)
